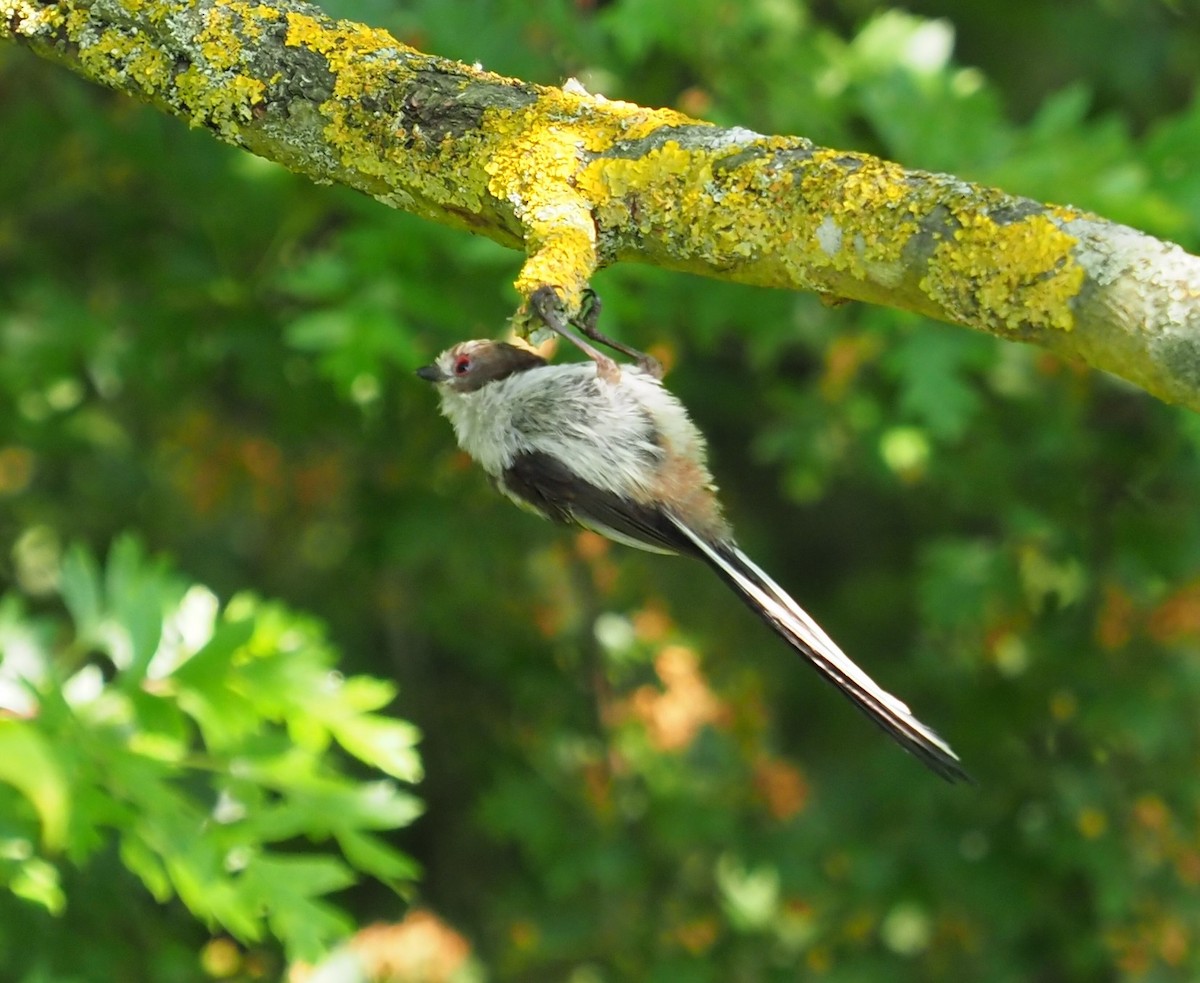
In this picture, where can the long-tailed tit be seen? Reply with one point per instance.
(616, 453)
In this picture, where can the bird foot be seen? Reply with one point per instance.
(545, 303)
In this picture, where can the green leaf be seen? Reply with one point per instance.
(79, 583)
(138, 592)
(389, 745)
(957, 581)
(286, 890)
(164, 732)
(29, 764)
(37, 880)
(640, 24)
(320, 807)
(225, 714)
(147, 864)
(373, 856)
(365, 693)
(933, 366)
(211, 665)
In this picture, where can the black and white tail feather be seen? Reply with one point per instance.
(771, 603)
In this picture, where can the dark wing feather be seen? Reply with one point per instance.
(542, 482)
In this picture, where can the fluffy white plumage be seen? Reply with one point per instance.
(566, 411)
(621, 456)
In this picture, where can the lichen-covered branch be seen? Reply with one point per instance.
(578, 181)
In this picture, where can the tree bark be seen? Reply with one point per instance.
(578, 181)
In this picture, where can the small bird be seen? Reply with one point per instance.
(617, 453)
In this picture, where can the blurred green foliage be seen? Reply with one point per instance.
(626, 777)
(189, 740)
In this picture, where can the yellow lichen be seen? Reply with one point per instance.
(352, 52)
(115, 57)
(219, 54)
(232, 25)
(152, 11)
(345, 45)
(866, 198)
(75, 21)
(600, 121)
(1012, 275)
(255, 18)
(25, 19)
(530, 169)
(150, 68)
(221, 104)
(699, 208)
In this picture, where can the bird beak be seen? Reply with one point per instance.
(431, 373)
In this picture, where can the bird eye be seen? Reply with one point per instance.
(462, 365)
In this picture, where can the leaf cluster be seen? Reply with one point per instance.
(206, 746)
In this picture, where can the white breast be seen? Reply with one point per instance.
(612, 435)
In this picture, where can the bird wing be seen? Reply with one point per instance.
(541, 482)
(771, 603)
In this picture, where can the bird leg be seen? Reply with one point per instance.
(547, 306)
(587, 321)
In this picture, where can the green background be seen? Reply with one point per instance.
(626, 777)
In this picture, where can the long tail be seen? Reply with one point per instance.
(771, 603)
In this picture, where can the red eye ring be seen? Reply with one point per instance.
(462, 365)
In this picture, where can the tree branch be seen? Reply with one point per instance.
(578, 181)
